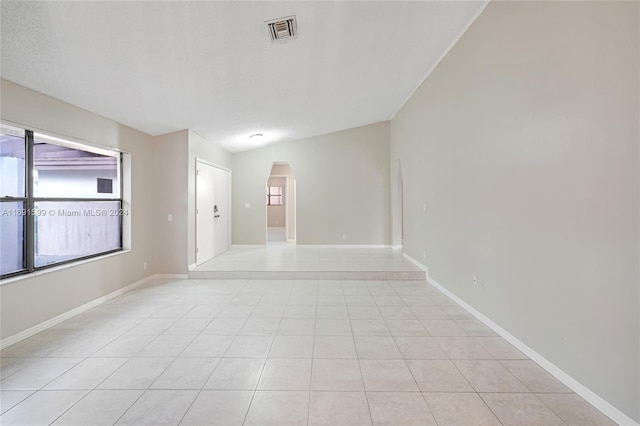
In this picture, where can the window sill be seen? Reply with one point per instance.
(60, 268)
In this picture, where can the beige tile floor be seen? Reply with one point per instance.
(204, 352)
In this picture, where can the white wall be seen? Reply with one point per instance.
(523, 143)
(342, 187)
(75, 229)
(11, 236)
(30, 301)
(56, 183)
(75, 233)
(169, 183)
(11, 227)
(12, 174)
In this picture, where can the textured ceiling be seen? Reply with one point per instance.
(210, 67)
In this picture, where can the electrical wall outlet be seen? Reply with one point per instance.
(144, 266)
(344, 237)
(170, 217)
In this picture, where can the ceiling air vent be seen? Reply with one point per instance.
(283, 28)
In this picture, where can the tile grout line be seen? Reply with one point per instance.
(313, 347)
(364, 386)
(407, 365)
(405, 360)
(204, 383)
(265, 360)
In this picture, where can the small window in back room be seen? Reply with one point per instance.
(274, 196)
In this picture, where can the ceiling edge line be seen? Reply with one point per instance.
(444, 54)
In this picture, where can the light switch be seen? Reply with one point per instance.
(170, 218)
(247, 205)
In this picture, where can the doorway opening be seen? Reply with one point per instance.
(397, 189)
(213, 211)
(281, 204)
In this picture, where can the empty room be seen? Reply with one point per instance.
(320, 213)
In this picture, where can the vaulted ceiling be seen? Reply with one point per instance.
(211, 67)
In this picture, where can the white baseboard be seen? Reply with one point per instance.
(415, 262)
(8, 341)
(591, 397)
(369, 246)
(349, 246)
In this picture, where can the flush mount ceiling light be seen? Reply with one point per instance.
(255, 137)
(282, 28)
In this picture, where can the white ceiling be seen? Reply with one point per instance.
(210, 67)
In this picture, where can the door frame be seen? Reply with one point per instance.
(397, 205)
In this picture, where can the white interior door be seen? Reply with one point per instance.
(222, 210)
(205, 220)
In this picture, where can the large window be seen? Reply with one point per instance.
(60, 201)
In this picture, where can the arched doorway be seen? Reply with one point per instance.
(397, 186)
